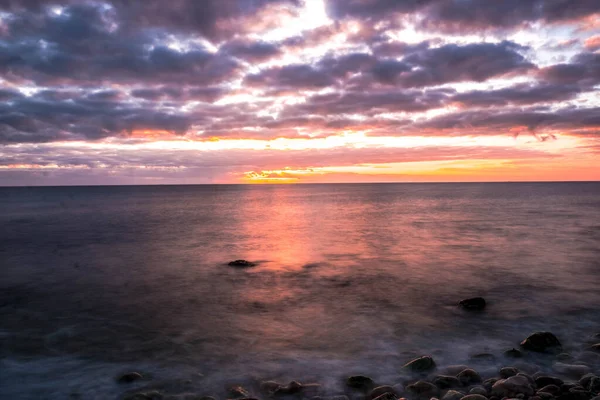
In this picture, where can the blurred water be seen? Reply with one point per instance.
(350, 278)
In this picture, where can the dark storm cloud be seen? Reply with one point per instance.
(177, 93)
(95, 116)
(496, 121)
(519, 94)
(583, 69)
(291, 76)
(84, 44)
(369, 103)
(465, 15)
(251, 50)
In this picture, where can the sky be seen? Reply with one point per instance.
(298, 91)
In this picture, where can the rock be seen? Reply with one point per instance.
(468, 377)
(453, 395)
(473, 304)
(129, 377)
(474, 397)
(488, 383)
(529, 378)
(338, 397)
(546, 380)
(241, 264)
(421, 364)
(360, 382)
(513, 353)
(554, 390)
(238, 392)
(454, 369)
(149, 395)
(565, 387)
(269, 387)
(541, 342)
(386, 396)
(446, 382)
(423, 389)
(512, 386)
(594, 385)
(507, 372)
(571, 370)
(586, 379)
(596, 398)
(535, 398)
(292, 388)
(478, 390)
(595, 348)
(544, 395)
(573, 396)
(379, 390)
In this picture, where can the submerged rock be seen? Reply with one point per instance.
(513, 353)
(423, 389)
(546, 380)
(512, 386)
(421, 364)
(241, 264)
(507, 372)
(483, 357)
(446, 382)
(474, 397)
(595, 348)
(379, 390)
(478, 390)
(551, 389)
(269, 387)
(129, 377)
(291, 388)
(572, 370)
(453, 395)
(149, 395)
(238, 392)
(360, 382)
(468, 377)
(386, 396)
(473, 303)
(541, 342)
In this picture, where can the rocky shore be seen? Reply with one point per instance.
(539, 369)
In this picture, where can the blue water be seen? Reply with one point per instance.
(351, 278)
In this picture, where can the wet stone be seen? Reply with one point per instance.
(541, 342)
(379, 390)
(478, 390)
(473, 304)
(551, 389)
(421, 364)
(129, 377)
(241, 264)
(446, 381)
(468, 377)
(474, 397)
(238, 392)
(453, 395)
(423, 389)
(360, 382)
(507, 372)
(545, 380)
(513, 353)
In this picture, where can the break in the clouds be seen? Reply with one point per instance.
(185, 91)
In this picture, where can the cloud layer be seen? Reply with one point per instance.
(77, 76)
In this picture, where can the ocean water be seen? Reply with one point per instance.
(350, 278)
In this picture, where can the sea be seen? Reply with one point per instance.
(349, 279)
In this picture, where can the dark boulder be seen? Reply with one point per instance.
(513, 353)
(473, 303)
(359, 382)
(574, 396)
(423, 389)
(446, 382)
(421, 364)
(507, 372)
(292, 388)
(474, 397)
(468, 377)
(551, 389)
(453, 395)
(241, 264)
(386, 396)
(379, 390)
(595, 348)
(129, 377)
(545, 380)
(541, 342)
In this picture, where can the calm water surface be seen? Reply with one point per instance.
(350, 279)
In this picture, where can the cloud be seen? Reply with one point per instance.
(583, 69)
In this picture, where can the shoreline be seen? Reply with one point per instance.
(538, 368)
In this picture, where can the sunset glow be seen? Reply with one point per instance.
(298, 91)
